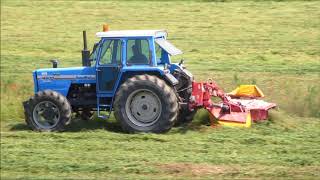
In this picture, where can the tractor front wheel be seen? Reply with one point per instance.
(145, 103)
(47, 111)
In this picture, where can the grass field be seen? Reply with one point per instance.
(275, 45)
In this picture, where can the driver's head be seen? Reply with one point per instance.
(135, 50)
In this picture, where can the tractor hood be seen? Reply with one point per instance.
(74, 73)
(60, 79)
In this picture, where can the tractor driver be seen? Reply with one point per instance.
(138, 58)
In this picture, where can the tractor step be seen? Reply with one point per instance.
(106, 107)
(103, 107)
(103, 116)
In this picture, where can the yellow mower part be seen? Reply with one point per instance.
(247, 124)
(247, 91)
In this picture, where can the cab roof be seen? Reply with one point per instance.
(132, 33)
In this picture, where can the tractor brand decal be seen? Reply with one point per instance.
(66, 77)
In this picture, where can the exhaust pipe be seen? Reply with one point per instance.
(85, 51)
(55, 63)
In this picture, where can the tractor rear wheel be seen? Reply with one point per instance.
(47, 111)
(145, 103)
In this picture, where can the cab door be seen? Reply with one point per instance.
(109, 65)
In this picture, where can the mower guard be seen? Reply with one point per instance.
(238, 108)
(250, 91)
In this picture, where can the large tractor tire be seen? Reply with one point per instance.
(145, 103)
(47, 111)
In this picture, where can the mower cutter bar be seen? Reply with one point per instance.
(232, 110)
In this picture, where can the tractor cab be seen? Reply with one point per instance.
(134, 47)
(132, 51)
(122, 54)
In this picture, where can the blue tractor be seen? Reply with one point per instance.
(128, 72)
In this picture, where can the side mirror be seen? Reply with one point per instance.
(93, 53)
(95, 47)
(181, 62)
(55, 63)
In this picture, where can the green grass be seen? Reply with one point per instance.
(275, 45)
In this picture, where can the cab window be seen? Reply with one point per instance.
(111, 52)
(138, 52)
(158, 53)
